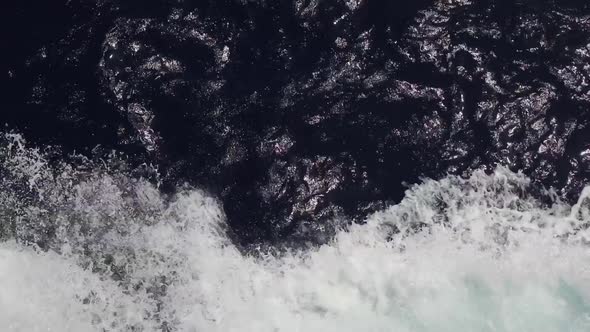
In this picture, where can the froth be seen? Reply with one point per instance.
(101, 250)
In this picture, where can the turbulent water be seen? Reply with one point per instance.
(89, 246)
(295, 112)
(295, 165)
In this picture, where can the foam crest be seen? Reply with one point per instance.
(96, 249)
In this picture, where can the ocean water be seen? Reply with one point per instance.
(95, 248)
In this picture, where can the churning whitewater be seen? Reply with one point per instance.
(91, 246)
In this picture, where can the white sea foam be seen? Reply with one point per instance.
(477, 254)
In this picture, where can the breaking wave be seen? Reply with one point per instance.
(92, 246)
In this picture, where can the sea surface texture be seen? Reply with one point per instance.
(295, 166)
